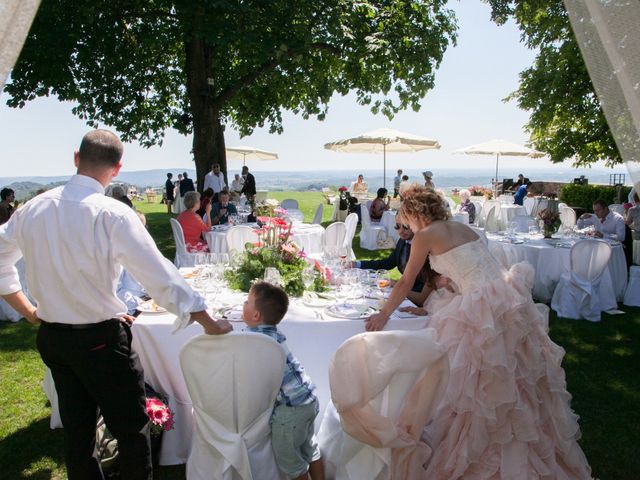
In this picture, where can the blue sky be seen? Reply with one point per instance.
(465, 107)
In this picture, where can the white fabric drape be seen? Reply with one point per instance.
(16, 17)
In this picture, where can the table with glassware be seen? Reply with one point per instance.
(551, 258)
(305, 235)
(315, 326)
(507, 212)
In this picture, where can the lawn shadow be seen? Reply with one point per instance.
(19, 336)
(34, 444)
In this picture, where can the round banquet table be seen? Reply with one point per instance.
(305, 235)
(388, 221)
(311, 339)
(551, 258)
(507, 212)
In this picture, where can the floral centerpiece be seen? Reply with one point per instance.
(550, 221)
(275, 250)
(477, 191)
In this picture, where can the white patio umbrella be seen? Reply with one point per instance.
(500, 148)
(249, 153)
(383, 140)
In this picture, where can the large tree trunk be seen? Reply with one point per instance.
(208, 132)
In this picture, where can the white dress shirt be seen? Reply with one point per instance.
(214, 182)
(75, 242)
(236, 185)
(612, 227)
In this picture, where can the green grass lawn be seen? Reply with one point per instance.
(601, 365)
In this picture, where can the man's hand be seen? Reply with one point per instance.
(33, 318)
(128, 319)
(218, 327)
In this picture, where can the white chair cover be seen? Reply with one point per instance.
(334, 234)
(567, 217)
(528, 204)
(351, 222)
(580, 294)
(491, 223)
(290, 203)
(632, 294)
(295, 215)
(478, 219)
(385, 387)
(239, 235)
(485, 210)
(183, 258)
(372, 237)
(522, 223)
(618, 208)
(317, 218)
(233, 381)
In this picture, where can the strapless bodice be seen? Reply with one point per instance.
(469, 265)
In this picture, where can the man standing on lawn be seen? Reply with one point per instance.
(75, 240)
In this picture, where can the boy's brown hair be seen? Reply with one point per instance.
(271, 301)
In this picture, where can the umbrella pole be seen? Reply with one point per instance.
(496, 179)
(384, 166)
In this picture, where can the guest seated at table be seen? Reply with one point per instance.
(222, 209)
(7, 208)
(296, 406)
(521, 193)
(359, 186)
(236, 187)
(207, 198)
(466, 205)
(378, 206)
(117, 192)
(607, 224)
(192, 225)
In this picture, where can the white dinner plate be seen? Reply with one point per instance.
(311, 299)
(353, 311)
(151, 307)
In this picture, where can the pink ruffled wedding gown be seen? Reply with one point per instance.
(506, 413)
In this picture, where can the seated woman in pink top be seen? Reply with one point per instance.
(192, 225)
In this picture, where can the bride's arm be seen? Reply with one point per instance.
(419, 252)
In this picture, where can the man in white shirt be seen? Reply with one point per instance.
(607, 224)
(84, 337)
(215, 181)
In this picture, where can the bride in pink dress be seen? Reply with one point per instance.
(506, 412)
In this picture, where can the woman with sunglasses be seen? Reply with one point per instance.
(506, 410)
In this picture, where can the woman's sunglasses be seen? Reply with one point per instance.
(404, 226)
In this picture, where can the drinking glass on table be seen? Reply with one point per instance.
(308, 277)
(383, 280)
(272, 276)
(224, 260)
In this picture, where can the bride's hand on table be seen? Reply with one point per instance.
(418, 311)
(376, 322)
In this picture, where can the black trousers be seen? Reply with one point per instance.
(95, 370)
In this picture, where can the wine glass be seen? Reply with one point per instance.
(383, 280)
(308, 277)
(224, 260)
(272, 276)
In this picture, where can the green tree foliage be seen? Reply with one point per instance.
(198, 65)
(566, 119)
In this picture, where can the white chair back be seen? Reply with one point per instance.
(567, 217)
(522, 223)
(477, 219)
(451, 202)
(589, 258)
(290, 204)
(334, 234)
(351, 222)
(376, 380)
(365, 217)
(183, 258)
(317, 218)
(528, 204)
(618, 208)
(239, 235)
(233, 381)
(632, 293)
(491, 223)
(486, 207)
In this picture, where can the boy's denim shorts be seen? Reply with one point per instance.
(292, 439)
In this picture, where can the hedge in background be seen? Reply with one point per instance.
(584, 195)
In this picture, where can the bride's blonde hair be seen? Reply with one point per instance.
(423, 202)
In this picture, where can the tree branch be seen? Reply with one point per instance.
(247, 79)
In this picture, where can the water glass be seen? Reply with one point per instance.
(272, 276)
(308, 277)
(383, 280)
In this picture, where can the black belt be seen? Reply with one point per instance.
(79, 326)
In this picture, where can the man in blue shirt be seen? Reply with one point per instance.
(521, 193)
(222, 209)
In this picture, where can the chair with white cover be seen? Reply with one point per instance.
(528, 204)
(567, 217)
(239, 235)
(334, 235)
(486, 207)
(372, 236)
(478, 218)
(290, 204)
(233, 381)
(580, 292)
(351, 222)
(617, 207)
(183, 258)
(632, 293)
(385, 387)
(317, 218)
(522, 223)
(491, 224)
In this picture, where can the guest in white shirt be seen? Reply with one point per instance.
(215, 181)
(236, 186)
(607, 224)
(84, 337)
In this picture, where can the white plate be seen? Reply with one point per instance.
(311, 299)
(150, 307)
(353, 311)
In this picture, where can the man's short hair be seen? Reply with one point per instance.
(169, 175)
(405, 177)
(184, 175)
(117, 192)
(271, 301)
(224, 191)
(245, 169)
(601, 202)
(6, 193)
(190, 199)
(100, 148)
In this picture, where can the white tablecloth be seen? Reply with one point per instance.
(388, 221)
(312, 340)
(550, 262)
(305, 235)
(507, 212)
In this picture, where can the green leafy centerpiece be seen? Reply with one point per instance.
(276, 250)
(550, 221)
